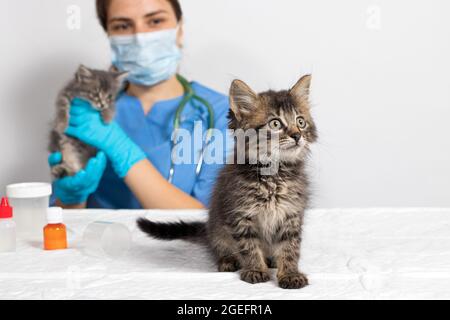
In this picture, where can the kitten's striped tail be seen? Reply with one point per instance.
(189, 231)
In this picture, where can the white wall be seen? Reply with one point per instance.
(381, 86)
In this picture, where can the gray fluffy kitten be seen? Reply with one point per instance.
(100, 88)
(255, 220)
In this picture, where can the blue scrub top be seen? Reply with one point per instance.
(152, 133)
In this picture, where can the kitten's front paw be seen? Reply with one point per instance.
(254, 276)
(293, 281)
(228, 265)
(59, 171)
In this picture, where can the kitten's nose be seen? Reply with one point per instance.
(296, 136)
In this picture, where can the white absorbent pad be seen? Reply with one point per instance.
(347, 254)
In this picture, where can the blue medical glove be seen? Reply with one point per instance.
(76, 189)
(86, 124)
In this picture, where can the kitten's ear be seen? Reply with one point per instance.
(243, 100)
(121, 76)
(301, 88)
(84, 71)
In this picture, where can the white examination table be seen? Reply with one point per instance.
(353, 253)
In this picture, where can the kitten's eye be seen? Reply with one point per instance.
(301, 122)
(275, 124)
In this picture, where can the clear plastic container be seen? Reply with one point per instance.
(106, 239)
(30, 202)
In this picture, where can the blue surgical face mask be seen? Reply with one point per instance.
(150, 58)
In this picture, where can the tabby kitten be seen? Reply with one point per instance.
(255, 220)
(100, 88)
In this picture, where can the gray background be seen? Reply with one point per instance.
(381, 83)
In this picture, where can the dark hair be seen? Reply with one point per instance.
(103, 6)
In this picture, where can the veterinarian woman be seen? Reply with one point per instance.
(133, 168)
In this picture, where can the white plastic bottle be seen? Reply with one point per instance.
(7, 228)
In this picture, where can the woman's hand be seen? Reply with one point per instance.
(76, 189)
(86, 124)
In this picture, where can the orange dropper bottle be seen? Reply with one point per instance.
(55, 234)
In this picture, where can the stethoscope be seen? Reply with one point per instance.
(190, 96)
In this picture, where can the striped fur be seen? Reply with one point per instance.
(100, 88)
(255, 220)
